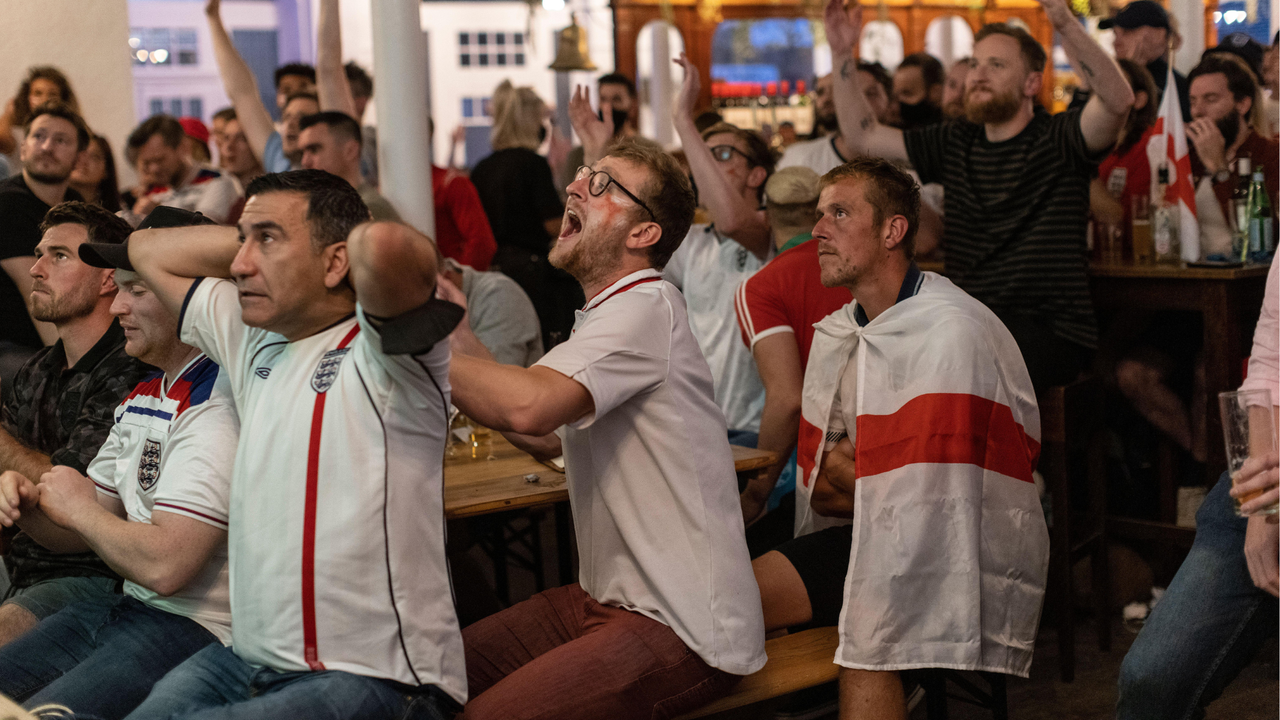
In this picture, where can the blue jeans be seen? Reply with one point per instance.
(215, 684)
(1205, 629)
(98, 657)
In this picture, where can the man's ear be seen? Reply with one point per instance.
(756, 177)
(895, 231)
(644, 235)
(1031, 87)
(1243, 106)
(335, 265)
(352, 150)
(108, 283)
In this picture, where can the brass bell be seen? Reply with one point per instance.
(571, 49)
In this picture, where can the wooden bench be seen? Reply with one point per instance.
(796, 662)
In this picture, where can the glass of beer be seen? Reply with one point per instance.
(1248, 430)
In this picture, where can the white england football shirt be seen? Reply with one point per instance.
(708, 269)
(651, 479)
(337, 501)
(171, 450)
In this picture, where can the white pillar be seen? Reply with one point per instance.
(400, 76)
(1190, 18)
(660, 84)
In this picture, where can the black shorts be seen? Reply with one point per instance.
(822, 560)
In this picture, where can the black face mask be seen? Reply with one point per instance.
(619, 119)
(919, 114)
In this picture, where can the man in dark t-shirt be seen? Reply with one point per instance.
(61, 407)
(55, 137)
(1016, 180)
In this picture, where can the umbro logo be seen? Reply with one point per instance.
(262, 372)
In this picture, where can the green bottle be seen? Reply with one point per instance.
(1262, 239)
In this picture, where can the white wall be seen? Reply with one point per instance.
(450, 82)
(89, 42)
(199, 80)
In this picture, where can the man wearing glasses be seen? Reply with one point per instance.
(666, 614)
(730, 167)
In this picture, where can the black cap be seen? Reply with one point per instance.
(1139, 13)
(111, 255)
(1243, 47)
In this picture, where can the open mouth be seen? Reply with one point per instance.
(572, 224)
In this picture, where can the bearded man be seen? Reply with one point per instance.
(55, 137)
(1016, 179)
(60, 408)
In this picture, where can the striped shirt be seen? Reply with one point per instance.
(1016, 216)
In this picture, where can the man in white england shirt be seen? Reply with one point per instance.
(153, 506)
(339, 586)
(666, 614)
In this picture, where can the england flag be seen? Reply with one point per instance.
(1168, 148)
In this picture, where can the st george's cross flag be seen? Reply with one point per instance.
(1167, 147)
(950, 548)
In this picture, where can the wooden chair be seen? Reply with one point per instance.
(935, 683)
(1074, 437)
(798, 661)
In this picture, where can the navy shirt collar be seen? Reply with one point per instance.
(910, 286)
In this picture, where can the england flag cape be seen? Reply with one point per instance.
(950, 548)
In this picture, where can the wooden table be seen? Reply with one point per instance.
(1229, 300)
(478, 486)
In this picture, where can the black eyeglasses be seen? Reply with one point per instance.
(600, 181)
(724, 153)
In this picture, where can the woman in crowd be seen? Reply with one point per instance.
(94, 176)
(42, 84)
(520, 198)
(1126, 172)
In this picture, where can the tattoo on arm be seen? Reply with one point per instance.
(1087, 70)
(846, 69)
(867, 123)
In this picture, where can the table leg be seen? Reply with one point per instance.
(564, 543)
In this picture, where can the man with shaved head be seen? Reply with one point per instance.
(327, 327)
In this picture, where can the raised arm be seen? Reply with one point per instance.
(169, 259)
(1112, 98)
(862, 133)
(162, 555)
(241, 87)
(736, 217)
(392, 268)
(331, 80)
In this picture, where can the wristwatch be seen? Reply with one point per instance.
(1222, 175)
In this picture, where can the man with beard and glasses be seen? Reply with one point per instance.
(918, 88)
(1016, 179)
(55, 137)
(61, 407)
(953, 91)
(666, 614)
